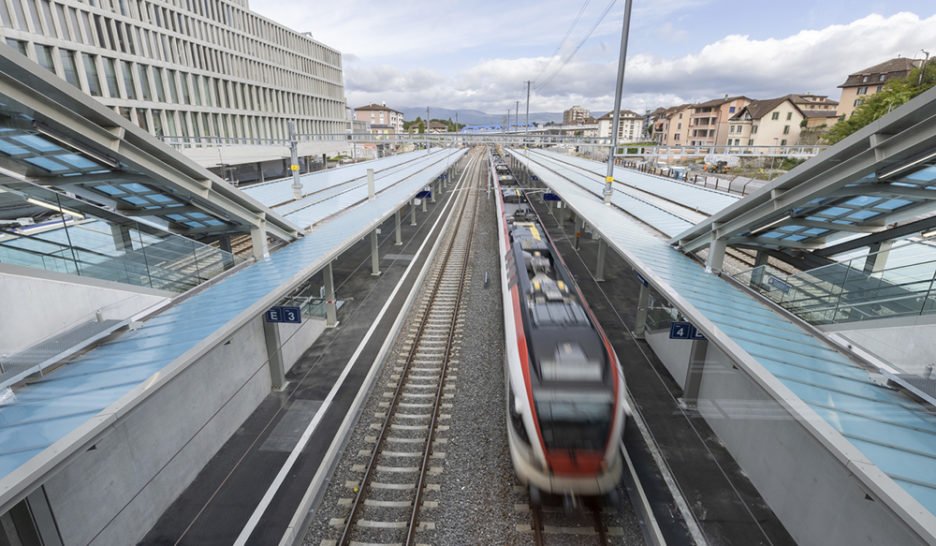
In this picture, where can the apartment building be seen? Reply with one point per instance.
(630, 126)
(575, 116)
(203, 68)
(709, 121)
(670, 125)
(382, 120)
(864, 83)
(771, 122)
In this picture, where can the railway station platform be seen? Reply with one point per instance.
(804, 416)
(126, 421)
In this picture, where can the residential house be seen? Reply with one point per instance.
(437, 127)
(709, 120)
(575, 116)
(771, 122)
(382, 120)
(673, 126)
(819, 111)
(630, 126)
(864, 83)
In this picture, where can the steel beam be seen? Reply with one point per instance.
(396, 227)
(375, 254)
(331, 305)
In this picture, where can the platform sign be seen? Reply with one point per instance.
(284, 314)
(684, 330)
(777, 284)
(425, 194)
(642, 280)
(551, 197)
(534, 178)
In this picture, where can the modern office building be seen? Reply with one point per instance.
(195, 72)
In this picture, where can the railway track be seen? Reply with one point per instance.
(738, 258)
(395, 488)
(591, 522)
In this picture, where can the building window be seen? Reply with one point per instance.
(878, 90)
(129, 86)
(857, 102)
(862, 91)
(750, 142)
(789, 116)
(783, 142)
(44, 56)
(69, 67)
(754, 129)
(775, 115)
(91, 73)
(18, 45)
(864, 79)
(676, 136)
(786, 129)
(144, 82)
(731, 109)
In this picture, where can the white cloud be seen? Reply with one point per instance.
(809, 61)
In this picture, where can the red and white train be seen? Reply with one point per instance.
(565, 398)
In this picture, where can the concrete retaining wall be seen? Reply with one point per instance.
(147, 459)
(674, 353)
(296, 338)
(815, 496)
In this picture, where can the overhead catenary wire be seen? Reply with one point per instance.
(562, 42)
(571, 55)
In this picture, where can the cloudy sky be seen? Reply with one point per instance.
(478, 54)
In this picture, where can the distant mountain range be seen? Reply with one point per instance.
(477, 117)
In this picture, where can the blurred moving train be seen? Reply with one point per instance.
(565, 396)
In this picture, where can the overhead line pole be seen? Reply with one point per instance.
(527, 131)
(517, 117)
(616, 118)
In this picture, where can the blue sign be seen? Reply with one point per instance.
(551, 197)
(782, 286)
(533, 177)
(684, 330)
(680, 330)
(425, 194)
(642, 280)
(284, 314)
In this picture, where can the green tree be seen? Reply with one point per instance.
(895, 93)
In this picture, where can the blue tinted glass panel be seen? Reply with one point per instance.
(36, 143)
(108, 189)
(862, 200)
(45, 163)
(893, 204)
(76, 160)
(863, 214)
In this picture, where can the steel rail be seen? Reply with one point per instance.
(360, 494)
(427, 453)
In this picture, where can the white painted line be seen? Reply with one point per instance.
(307, 433)
(293, 530)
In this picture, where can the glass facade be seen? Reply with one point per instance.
(245, 74)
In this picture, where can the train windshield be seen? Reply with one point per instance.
(575, 421)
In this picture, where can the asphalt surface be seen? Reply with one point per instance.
(218, 503)
(724, 503)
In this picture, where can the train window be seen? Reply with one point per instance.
(575, 425)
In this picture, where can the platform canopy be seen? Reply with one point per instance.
(54, 135)
(877, 184)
